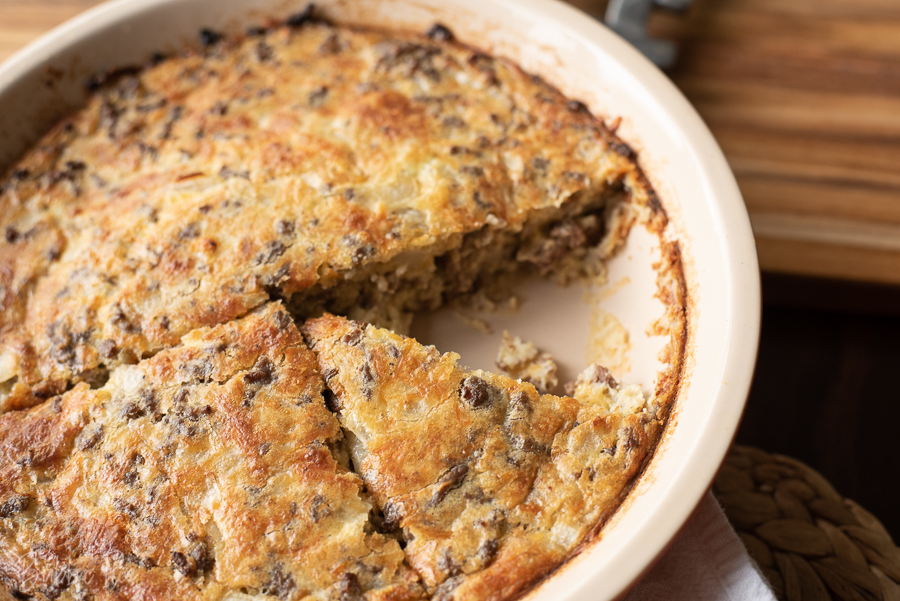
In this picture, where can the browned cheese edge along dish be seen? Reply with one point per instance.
(166, 432)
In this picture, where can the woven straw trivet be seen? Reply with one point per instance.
(810, 542)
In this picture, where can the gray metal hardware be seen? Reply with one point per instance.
(628, 18)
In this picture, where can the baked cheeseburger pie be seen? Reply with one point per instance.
(167, 433)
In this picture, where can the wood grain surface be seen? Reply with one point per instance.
(803, 96)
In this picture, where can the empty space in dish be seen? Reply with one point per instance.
(577, 323)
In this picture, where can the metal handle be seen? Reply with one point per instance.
(628, 18)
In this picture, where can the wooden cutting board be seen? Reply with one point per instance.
(803, 96)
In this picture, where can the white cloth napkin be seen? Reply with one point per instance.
(707, 562)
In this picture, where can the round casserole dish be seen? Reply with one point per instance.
(585, 61)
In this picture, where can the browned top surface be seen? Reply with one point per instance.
(203, 471)
(332, 149)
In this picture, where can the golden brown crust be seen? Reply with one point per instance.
(333, 149)
(204, 471)
(492, 484)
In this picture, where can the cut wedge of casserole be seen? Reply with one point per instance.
(370, 173)
(490, 484)
(207, 472)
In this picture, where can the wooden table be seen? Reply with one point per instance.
(803, 96)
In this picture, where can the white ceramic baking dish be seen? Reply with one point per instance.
(588, 62)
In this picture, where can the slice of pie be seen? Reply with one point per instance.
(490, 484)
(207, 472)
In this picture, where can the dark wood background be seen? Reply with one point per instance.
(804, 97)
(827, 386)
